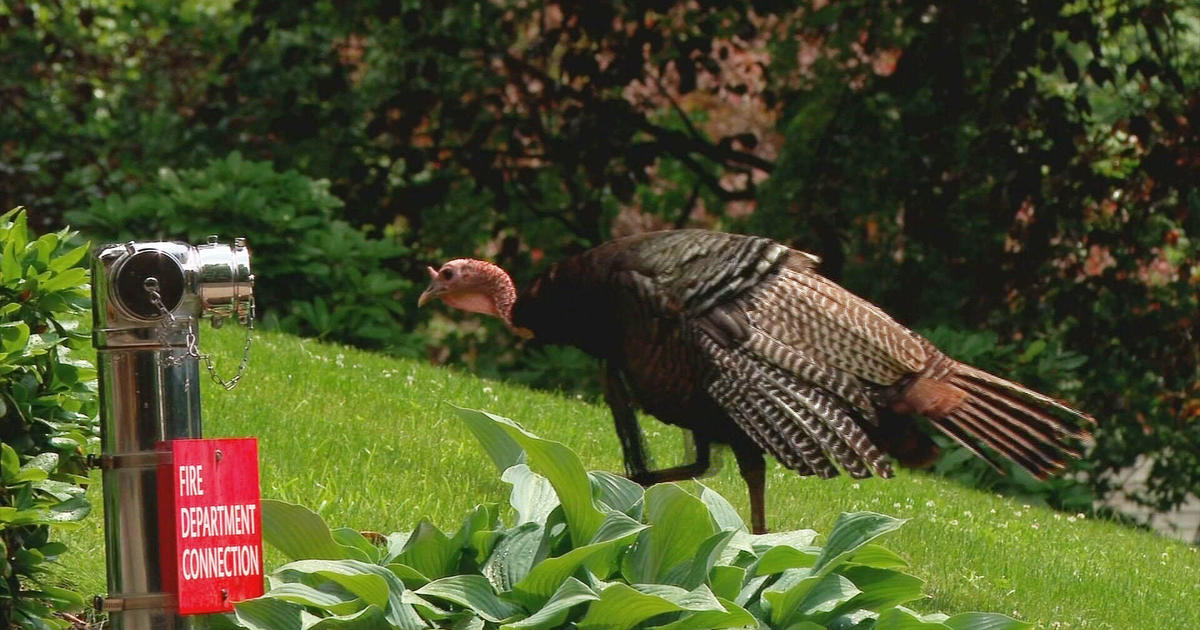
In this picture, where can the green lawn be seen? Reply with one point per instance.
(372, 443)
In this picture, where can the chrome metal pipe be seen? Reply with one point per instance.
(147, 299)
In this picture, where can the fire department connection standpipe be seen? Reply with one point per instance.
(147, 301)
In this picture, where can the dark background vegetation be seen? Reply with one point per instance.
(1016, 180)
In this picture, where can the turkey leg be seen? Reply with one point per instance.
(633, 448)
(679, 473)
(616, 394)
(753, 468)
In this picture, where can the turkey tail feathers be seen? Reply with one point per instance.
(1011, 419)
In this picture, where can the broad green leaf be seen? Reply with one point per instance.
(10, 266)
(337, 603)
(477, 531)
(798, 538)
(45, 462)
(881, 588)
(548, 575)
(783, 557)
(368, 618)
(617, 492)
(513, 556)
(60, 596)
(500, 446)
(555, 461)
(752, 588)
(615, 527)
(27, 474)
(706, 557)
(824, 597)
(679, 524)
(348, 537)
(726, 581)
(699, 598)
(621, 607)
(265, 613)
(427, 609)
(570, 594)
(300, 534)
(985, 621)
(470, 622)
(900, 618)
(850, 532)
(723, 513)
(411, 577)
(395, 546)
(14, 337)
(532, 495)
(733, 616)
(474, 592)
(10, 462)
(44, 247)
(429, 551)
(69, 278)
(69, 258)
(785, 594)
(877, 556)
(400, 614)
(367, 581)
(73, 509)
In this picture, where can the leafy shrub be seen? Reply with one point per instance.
(316, 275)
(588, 550)
(48, 408)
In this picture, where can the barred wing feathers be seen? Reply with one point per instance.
(787, 351)
(797, 362)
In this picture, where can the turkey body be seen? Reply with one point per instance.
(740, 340)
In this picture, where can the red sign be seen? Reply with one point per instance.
(209, 499)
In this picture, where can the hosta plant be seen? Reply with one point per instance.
(590, 551)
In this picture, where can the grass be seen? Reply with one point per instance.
(371, 442)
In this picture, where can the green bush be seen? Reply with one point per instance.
(315, 274)
(588, 550)
(48, 407)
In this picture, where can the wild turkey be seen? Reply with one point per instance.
(740, 340)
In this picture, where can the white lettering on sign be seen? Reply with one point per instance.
(220, 562)
(217, 520)
(190, 480)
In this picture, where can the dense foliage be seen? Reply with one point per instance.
(315, 274)
(47, 415)
(1025, 169)
(588, 550)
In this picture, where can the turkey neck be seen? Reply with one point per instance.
(568, 305)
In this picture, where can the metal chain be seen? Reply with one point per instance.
(192, 350)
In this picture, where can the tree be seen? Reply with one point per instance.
(1016, 178)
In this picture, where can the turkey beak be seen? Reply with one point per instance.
(434, 290)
